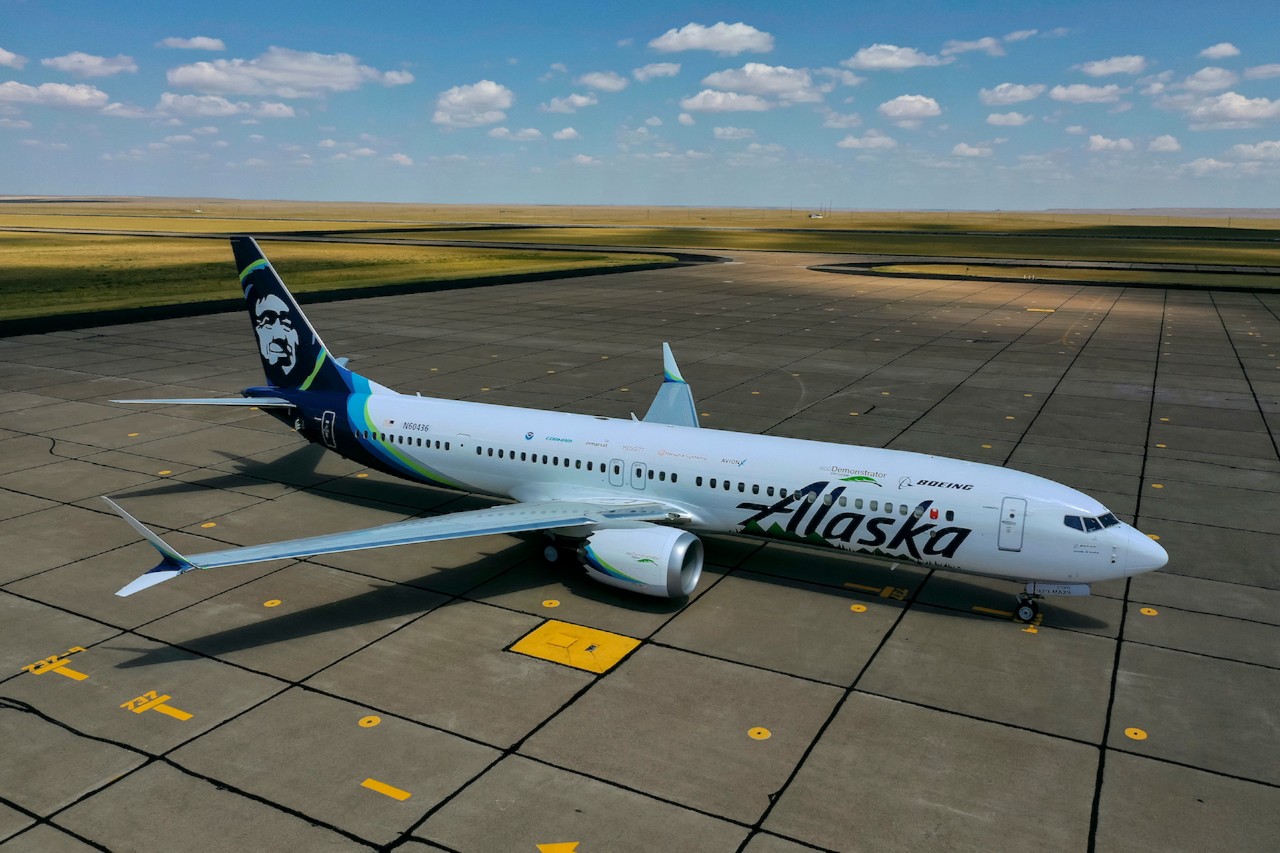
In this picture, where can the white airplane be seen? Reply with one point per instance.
(632, 494)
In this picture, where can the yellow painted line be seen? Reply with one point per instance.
(1008, 417)
(853, 414)
(551, 602)
(275, 602)
(576, 646)
(164, 473)
(993, 611)
(1154, 537)
(559, 847)
(986, 447)
(361, 476)
(874, 590)
(369, 721)
(133, 435)
(151, 701)
(1135, 734)
(759, 733)
(858, 608)
(209, 524)
(383, 788)
(1043, 310)
(1149, 611)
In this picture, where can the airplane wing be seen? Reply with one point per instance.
(674, 403)
(515, 518)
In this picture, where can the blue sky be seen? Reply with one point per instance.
(1013, 105)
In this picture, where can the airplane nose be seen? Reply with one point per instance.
(1145, 554)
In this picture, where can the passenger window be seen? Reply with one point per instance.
(755, 488)
(544, 459)
(555, 460)
(1091, 524)
(673, 476)
(844, 501)
(727, 485)
(782, 493)
(697, 481)
(650, 473)
(577, 463)
(662, 476)
(902, 509)
(589, 465)
(769, 491)
(1074, 522)
(446, 445)
(888, 508)
(875, 505)
(479, 451)
(857, 503)
(918, 512)
(500, 454)
(617, 469)
(826, 500)
(742, 487)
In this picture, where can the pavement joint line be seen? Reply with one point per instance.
(1183, 764)
(1243, 369)
(1205, 654)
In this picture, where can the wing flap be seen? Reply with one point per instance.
(515, 518)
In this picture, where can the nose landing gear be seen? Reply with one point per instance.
(1028, 609)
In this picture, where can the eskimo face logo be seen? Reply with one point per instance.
(528, 436)
(277, 336)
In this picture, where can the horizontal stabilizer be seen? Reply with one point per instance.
(673, 404)
(264, 402)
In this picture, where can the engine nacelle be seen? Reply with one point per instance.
(646, 558)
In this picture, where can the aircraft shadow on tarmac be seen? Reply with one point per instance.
(498, 574)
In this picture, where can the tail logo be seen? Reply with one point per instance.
(274, 325)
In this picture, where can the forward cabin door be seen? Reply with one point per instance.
(1012, 512)
(326, 429)
(615, 472)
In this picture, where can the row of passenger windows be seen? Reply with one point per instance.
(1087, 524)
(662, 477)
(412, 440)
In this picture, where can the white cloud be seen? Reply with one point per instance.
(1115, 65)
(1221, 50)
(400, 159)
(724, 39)
(273, 109)
(890, 57)
(709, 100)
(1008, 119)
(10, 59)
(207, 130)
(1010, 93)
(734, 133)
(87, 65)
(1020, 35)
(566, 133)
(569, 103)
(871, 140)
(843, 76)
(283, 73)
(1098, 142)
(180, 138)
(364, 152)
(653, 121)
(790, 85)
(211, 106)
(907, 110)
(15, 124)
(605, 81)
(1081, 93)
(326, 143)
(473, 105)
(841, 120)
(196, 43)
(1210, 79)
(1076, 129)
(1266, 150)
(685, 119)
(584, 160)
(645, 73)
(987, 44)
(1262, 72)
(1207, 166)
(527, 134)
(1227, 111)
(117, 110)
(1164, 144)
(81, 95)
(962, 149)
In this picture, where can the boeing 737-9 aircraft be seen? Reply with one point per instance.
(632, 495)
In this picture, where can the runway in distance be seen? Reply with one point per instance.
(632, 495)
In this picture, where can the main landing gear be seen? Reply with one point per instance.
(551, 551)
(1028, 609)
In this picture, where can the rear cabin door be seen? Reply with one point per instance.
(1012, 512)
(326, 429)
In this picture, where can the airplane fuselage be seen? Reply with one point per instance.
(898, 505)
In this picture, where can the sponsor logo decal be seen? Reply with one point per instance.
(528, 436)
(806, 516)
(940, 484)
(737, 462)
(860, 479)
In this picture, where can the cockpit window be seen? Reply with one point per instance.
(1074, 522)
(1091, 524)
(1108, 520)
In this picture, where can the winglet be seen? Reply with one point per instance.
(171, 565)
(674, 403)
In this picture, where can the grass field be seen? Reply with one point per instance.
(1074, 274)
(48, 274)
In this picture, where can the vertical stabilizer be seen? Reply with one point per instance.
(293, 356)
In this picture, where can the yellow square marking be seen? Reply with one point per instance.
(576, 646)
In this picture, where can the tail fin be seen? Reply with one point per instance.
(293, 356)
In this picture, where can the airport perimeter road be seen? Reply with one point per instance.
(801, 700)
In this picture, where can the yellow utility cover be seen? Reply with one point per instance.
(576, 646)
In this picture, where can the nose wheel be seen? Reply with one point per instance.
(1028, 609)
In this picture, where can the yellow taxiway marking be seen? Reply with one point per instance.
(383, 788)
(1149, 611)
(164, 473)
(1154, 537)
(986, 447)
(1008, 417)
(1135, 734)
(58, 664)
(133, 435)
(275, 602)
(1157, 485)
(551, 602)
(576, 645)
(209, 524)
(151, 701)
(1162, 445)
(1043, 310)
(559, 847)
(992, 611)
(858, 608)
(759, 733)
(361, 476)
(369, 722)
(894, 592)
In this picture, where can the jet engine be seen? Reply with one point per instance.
(646, 558)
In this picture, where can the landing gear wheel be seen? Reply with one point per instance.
(551, 553)
(1027, 610)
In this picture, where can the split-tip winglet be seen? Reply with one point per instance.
(171, 565)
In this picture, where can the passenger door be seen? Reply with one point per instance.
(1012, 512)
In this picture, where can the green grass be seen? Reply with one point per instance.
(48, 274)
